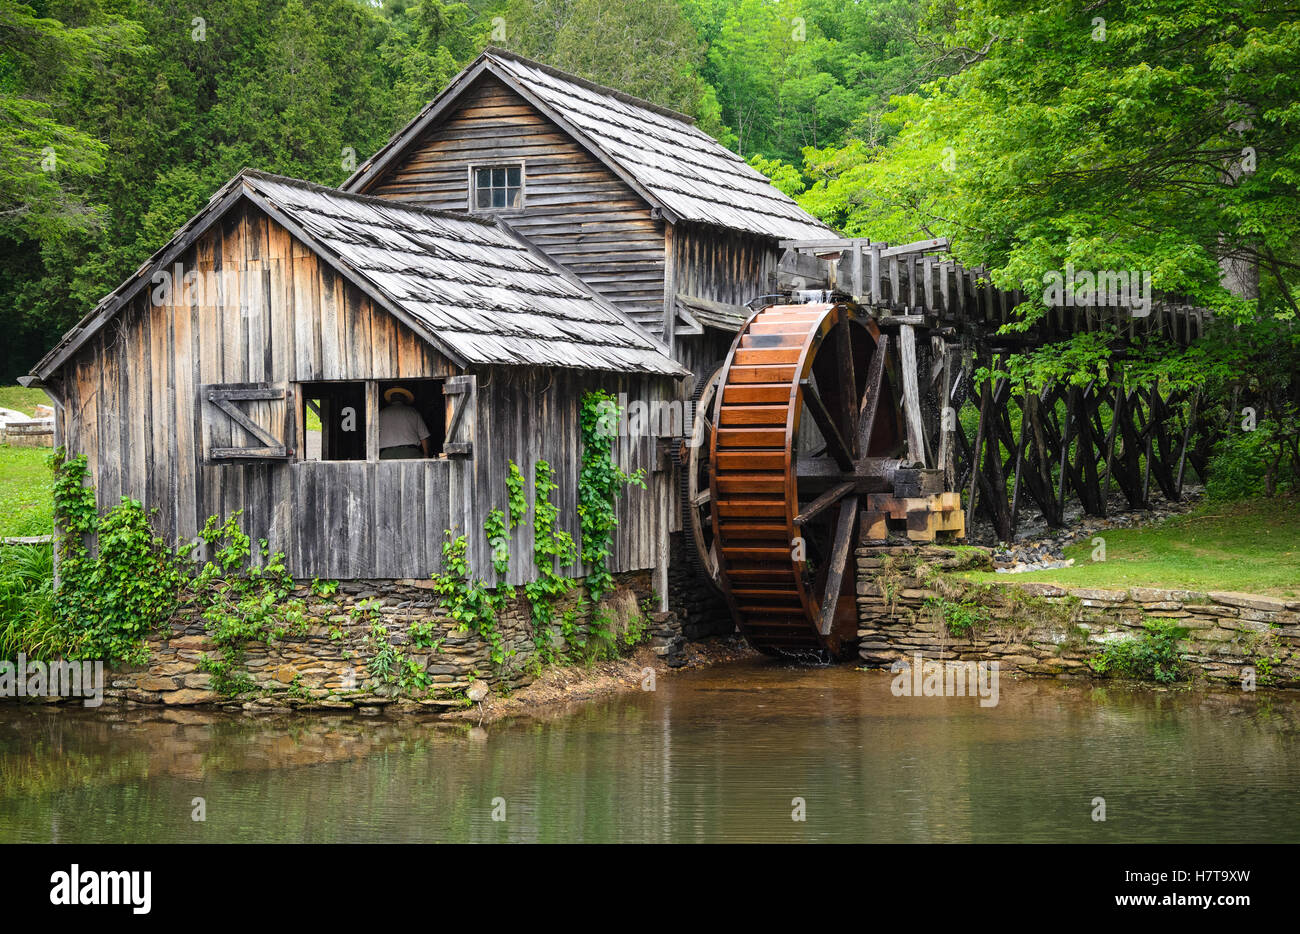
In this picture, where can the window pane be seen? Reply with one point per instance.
(498, 178)
(484, 198)
(498, 197)
(512, 176)
(483, 178)
(513, 198)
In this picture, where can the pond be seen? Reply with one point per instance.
(733, 753)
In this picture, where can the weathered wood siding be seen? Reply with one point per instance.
(723, 266)
(132, 403)
(575, 208)
(527, 414)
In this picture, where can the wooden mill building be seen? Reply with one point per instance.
(529, 236)
(634, 199)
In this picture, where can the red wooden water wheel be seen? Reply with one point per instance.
(803, 423)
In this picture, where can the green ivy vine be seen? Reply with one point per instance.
(242, 602)
(108, 601)
(599, 484)
(518, 498)
(553, 550)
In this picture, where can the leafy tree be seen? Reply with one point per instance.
(44, 159)
(1127, 135)
(646, 48)
(151, 107)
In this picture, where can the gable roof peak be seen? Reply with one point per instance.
(497, 52)
(474, 288)
(669, 163)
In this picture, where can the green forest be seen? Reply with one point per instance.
(1157, 135)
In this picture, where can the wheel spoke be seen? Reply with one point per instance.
(871, 395)
(839, 558)
(822, 503)
(835, 443)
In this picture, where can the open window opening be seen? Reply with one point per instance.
(334, 421)
(409, 408)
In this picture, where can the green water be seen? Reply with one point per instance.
(716, 755)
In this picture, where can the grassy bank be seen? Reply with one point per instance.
(26, 491)
(1251, 546)
(22, 400)
(26, 483)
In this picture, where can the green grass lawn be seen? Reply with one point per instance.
(26, 491)
(1251, 546)
(22, 400)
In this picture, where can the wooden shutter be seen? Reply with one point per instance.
(257, 410)
(459, 428)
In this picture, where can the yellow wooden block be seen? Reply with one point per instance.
(874, 526)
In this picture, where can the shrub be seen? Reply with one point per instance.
(1153, 656)
(1251, 463)
(108, 601)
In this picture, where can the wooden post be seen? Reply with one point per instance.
(670, 291)
(911, 394)
(857, 272)
(875, 273)
(372, 421)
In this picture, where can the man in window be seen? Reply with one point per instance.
(402, 432)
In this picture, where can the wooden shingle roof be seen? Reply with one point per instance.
(485, 292)
(475, 289)
(670, 162)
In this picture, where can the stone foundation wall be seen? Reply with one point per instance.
(1044, 630)
(701, 607)
(327, 667)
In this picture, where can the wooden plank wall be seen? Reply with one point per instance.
(132, 403)
(575, 209)
(526, 414)
(723, 265)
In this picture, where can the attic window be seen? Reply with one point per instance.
(497, 187)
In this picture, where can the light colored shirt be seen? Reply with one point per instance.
(399, 425)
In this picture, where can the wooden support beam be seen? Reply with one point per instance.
(919, 246)
(871, 394)
(839, 558)
(846, 391)
(1192, 413)
(911, 395)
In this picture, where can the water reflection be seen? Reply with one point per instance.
(711, 756)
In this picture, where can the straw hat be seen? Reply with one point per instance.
(399, 391)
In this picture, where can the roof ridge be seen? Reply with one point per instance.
(493, 50)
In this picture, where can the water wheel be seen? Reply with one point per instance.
(697, 515)
(804, 423)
